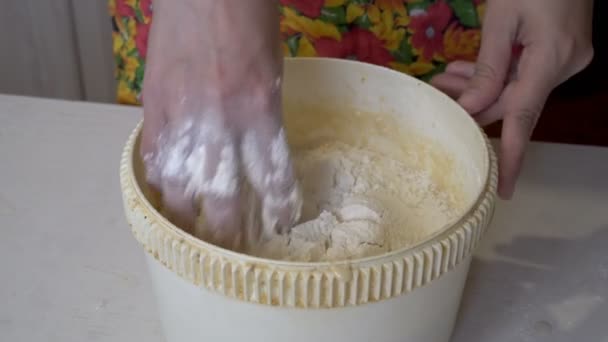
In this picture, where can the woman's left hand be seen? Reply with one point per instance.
(555, 41)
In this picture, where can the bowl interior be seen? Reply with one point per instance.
(415, 119)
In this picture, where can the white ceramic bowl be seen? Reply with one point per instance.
(206, 293)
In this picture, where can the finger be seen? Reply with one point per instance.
(268, 167)
(154, 123)
(451, 84)
(219, 190)
(222, 221)
(455, 79)
(178, 207)
(172, 148)
(494, 58)
(461, 68)
(523, 101)
(494, 113)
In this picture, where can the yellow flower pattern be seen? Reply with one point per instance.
(388, 32)
(353, 12)
(312, 28)
(417, 37)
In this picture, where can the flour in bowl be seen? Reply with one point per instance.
(358, 203)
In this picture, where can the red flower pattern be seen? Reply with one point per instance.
(124, 10)
(310, 8)
(141, 39)
(428, 29)
(146, 7)
(362, 44)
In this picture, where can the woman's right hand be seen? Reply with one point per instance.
(212, 110)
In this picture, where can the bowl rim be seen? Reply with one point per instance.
(462, 234)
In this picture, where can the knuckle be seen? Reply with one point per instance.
(526, 117)
(486, 72)
(584, 56)
(573, 52)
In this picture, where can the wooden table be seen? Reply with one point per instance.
(71, 271)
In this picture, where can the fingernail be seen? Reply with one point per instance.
(505, 193)
(464, 69)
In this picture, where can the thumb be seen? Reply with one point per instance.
(487, 83)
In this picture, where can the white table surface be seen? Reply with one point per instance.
(71, 271)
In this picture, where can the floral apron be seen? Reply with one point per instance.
(417, 37)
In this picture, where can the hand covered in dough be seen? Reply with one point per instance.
(212, 116)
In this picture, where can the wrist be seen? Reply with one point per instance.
(239, 34)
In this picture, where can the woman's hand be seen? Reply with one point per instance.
(212, 110)
(552, 40)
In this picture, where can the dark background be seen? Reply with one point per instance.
(577, 111)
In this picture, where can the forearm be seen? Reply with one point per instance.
(231, 37)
